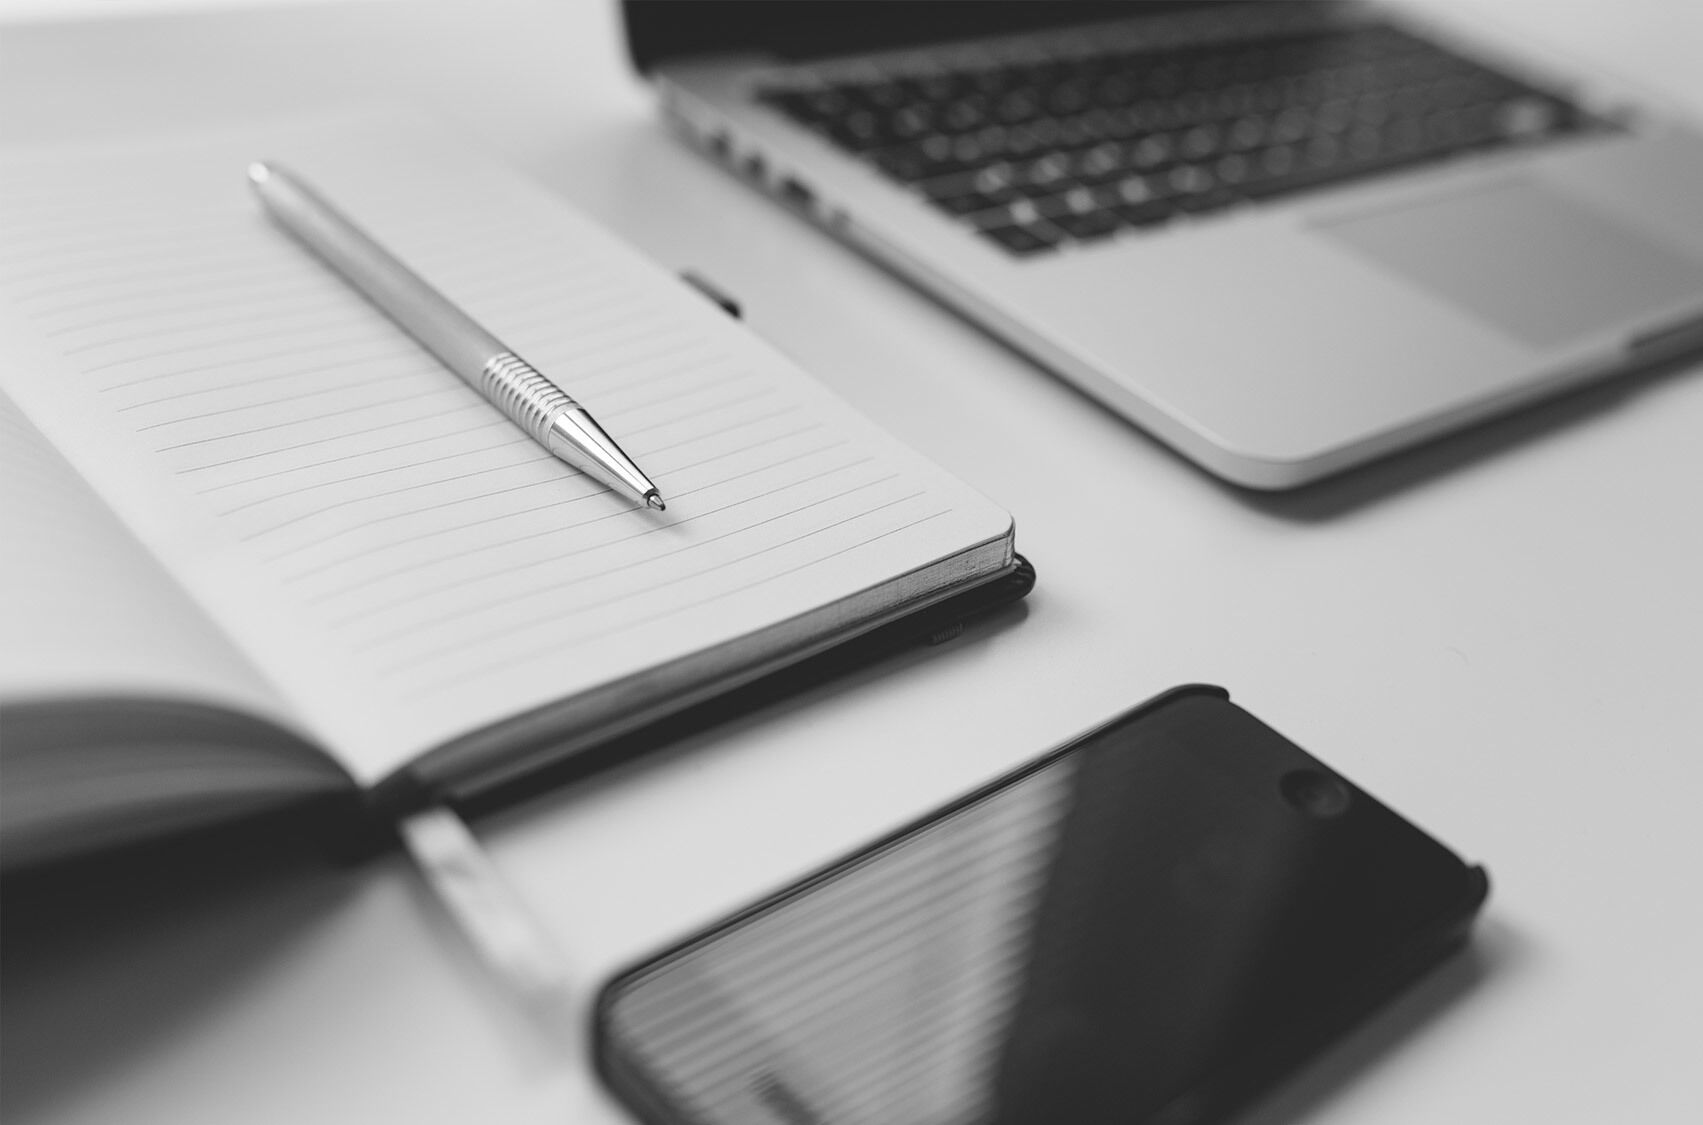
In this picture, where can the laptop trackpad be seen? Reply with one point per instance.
(1526, 259)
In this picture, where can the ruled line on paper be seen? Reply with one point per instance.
(73, 230)
(470, 673)
(594, 308)
(486, 546)
(591, 490)
(512, 595)
(549, 482)
(410, 540)
(549, 530)
(187, 337)
(340, 413)
(768, 439)
(616, 402)
(513, 441)
(461, 500)
(554, 529)
(560, 347)
(151, 310)
(225, 366)
(584, 363)
(412, 376)
(350, 619)
(650, 529)
(694, 414)
(142, 265)
(693, 439)
(540, 458)
(304, 306)
(49, 207)
(229, 362)
(463, 645)
(144, 281)
(346, 314)
(614, 395)
(765, 580)
(480, 281)
(291, 373)
(465, 408)
(309, 466)
(453, 529)
(529, 283)
(56, 190)
(595, 354)
(134, 246)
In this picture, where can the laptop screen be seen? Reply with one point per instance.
(662, 30)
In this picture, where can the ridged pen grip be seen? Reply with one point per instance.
(520, 391)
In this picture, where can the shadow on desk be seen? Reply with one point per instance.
(104, 956)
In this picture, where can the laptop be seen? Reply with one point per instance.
(1283, 238)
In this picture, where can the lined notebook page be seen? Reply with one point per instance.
(400, 559)
(85, 610)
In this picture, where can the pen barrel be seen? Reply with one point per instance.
(521, 391)
(401, 294)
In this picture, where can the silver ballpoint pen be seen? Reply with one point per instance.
(512, 385)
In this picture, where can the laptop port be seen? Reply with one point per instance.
(795, 194)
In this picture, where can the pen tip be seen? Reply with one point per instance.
(258, 172)
(655, 501)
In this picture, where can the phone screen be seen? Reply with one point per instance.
(1143, 926)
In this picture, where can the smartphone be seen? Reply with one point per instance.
(1148, 924)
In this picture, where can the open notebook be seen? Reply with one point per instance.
(257, 542)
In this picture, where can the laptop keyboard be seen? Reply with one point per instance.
(1039, 154)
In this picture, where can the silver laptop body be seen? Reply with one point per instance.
(1278, 339)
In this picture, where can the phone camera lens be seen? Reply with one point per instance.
(1314, 793)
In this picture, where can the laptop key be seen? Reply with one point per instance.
(1091, 225)
(886, 96)
(1201, 142)
(859, 131)
(1072, 201)
(912, 162)
(964, 115)
(1105, 161)
(1190, 179)
(1045, 175)
(1150, 213)
(973, 202)
(1021, 238)
(1212, 199)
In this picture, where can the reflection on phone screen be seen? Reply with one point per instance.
(1096, 940)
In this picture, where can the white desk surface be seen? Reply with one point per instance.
(1499, 635)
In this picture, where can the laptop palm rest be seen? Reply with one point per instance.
(1527, 260)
